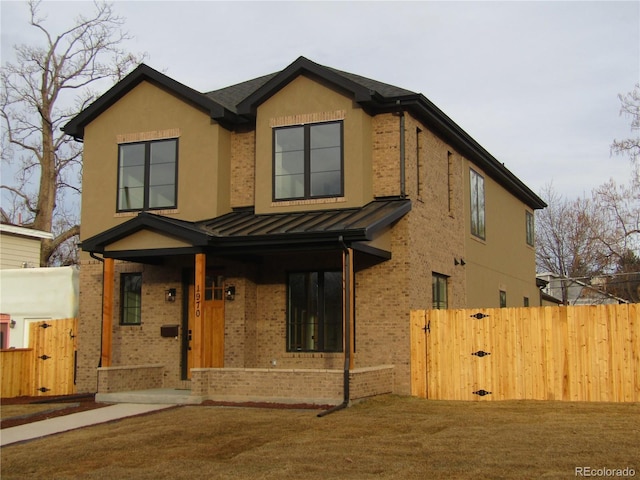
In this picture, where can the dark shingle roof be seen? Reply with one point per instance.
(231, 96)
(383, 89)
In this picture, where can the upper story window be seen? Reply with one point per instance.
(307, 161)
(477, 204)
(529, 228)
(147, 173)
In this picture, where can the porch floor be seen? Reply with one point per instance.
(168, 396)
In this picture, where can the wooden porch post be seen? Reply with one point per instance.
(348, 304)
(107, 311)
(198, 304)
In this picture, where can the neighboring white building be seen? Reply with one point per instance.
(20, 246)
(29, 293)
(34, 294)
(577, 292)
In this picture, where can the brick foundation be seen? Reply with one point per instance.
(311, 386)
(130, 377)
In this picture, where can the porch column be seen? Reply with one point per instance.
(197, 344)
(107, 311)
(348, 306)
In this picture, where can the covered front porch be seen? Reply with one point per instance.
(235, 340)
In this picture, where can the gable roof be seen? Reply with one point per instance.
(75, 127)
(237, 104)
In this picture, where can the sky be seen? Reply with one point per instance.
(535, 83)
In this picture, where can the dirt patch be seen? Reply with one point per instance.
(22, 410)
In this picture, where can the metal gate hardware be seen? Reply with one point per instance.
(45, 325)
(44, 389)
(44, 357)
(479, 316)
(481, 353)
(482, 393)
(427, 327)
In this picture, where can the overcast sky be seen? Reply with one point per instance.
(535, 83)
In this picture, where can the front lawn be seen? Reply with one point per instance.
(387, 437)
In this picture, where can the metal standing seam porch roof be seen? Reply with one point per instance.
(245, 231)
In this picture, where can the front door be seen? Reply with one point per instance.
(212, 324)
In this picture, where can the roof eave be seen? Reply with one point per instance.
(143, 221)
(302, 66)
(442, 124)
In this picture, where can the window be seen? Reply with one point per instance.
(418, 148)
(477, 205)
(450, 182)
(147, 174)
(526, 301)
(503, 299)
(130, 299)
(307, 161)
(439, 291)
(529, 228)
(314, 321)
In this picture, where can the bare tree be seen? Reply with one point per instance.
(618, 216)
(618, 212)
(630, 146)
(565, 243)
(47, 86)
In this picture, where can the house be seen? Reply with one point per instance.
(29, 293)
(572, 291)
(268, 240)
(20, 246)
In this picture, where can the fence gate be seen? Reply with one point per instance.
(547, 353)
(54, 349)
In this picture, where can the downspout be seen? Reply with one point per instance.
(101, 260)
(347, 329)
(403, 188)
(403, 192)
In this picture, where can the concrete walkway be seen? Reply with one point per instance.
(65, 423)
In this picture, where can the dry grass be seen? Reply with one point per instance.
(388, 437)
(8, 411)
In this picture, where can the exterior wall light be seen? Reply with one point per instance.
(170, 295)
(230, 292)
(12, 323)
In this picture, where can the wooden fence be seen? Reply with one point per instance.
(47, 367)
(585, 353)
(16, 369)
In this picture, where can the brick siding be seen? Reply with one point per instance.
(257, 364)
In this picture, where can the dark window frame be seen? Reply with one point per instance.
(503, 298)
(292, 340)
(529, 228)
(124, 307)
(307, 161)
(437, 302)
(477, 208)
(147, 171)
